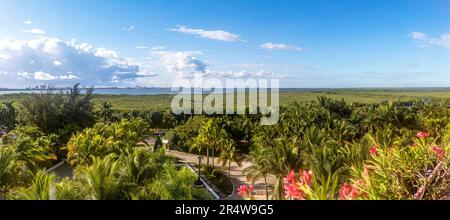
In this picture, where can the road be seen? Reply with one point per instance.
(237, 176)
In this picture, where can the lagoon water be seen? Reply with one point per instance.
(120, 91)
(114, 91)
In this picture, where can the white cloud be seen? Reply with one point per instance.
(56, 63)
(186, 65)
(240, 74)
(141, 47)
(34, 31)
(158, 48)
(28, 22)
(274, 46)
(68, 77)
(182, 64)
(4, 56)
(128, 28)
(60, 61)
(43, 76)
(425, 40)
(219, 35)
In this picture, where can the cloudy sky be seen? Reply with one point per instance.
(304, 43)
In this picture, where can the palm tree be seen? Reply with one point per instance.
(173, 185)
(259, 167)
(140, 165)
(198, 144)
(213, 137)
(228, 155)
(106, 112)
(101, 180)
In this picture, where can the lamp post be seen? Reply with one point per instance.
(199, 183)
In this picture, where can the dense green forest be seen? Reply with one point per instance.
(327, 145)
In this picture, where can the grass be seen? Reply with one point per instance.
(158, 102)
(218, 178)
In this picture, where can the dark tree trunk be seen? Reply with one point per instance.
(207, 156)
(267, 190)
(213, 163)
(229, 168)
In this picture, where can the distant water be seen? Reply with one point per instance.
(118, 91)
(115, 91)
(168, 91)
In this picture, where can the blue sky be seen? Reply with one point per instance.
(304, 43)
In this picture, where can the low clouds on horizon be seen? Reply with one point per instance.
(51, 59)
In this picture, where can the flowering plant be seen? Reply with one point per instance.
(414, 172)
(246, 191)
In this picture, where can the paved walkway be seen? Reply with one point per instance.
(236, 174)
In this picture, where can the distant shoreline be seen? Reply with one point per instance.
(281, 89)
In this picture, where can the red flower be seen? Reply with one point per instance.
(374, 150)
(251, 188)
(350, 192)
(422, 135)
(440, 153)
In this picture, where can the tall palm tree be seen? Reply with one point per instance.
(259, 167)
(209, 136)
(106, 112)
(230, 154)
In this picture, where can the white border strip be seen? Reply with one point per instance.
(56, 166)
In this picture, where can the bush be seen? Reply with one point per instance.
(55, 112)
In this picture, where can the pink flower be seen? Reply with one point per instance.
(293, 191)
(306, 177)
(351, 192)
(245, 190)
(440, 153)
(422, 135)
(374, 150)
(292, 184)
(345, 191)
(291, 176)
(242, 190)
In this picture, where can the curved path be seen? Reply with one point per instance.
(236, 174)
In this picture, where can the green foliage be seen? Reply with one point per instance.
(182, 136)
(103, 139)
(101, 180)
(173, 184)
(399, 172)
(8, 116)
(60, 113)
(7, 169)
(41, 188)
